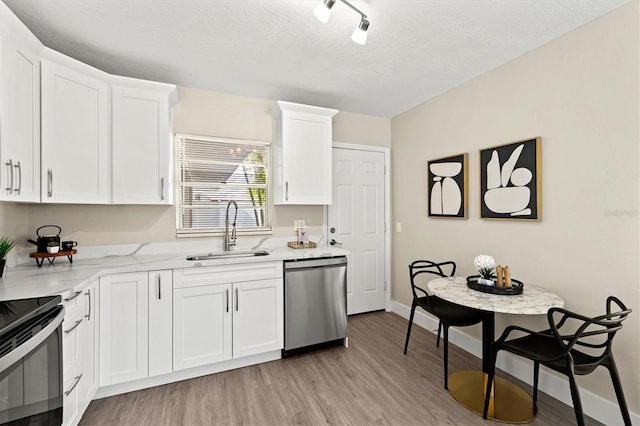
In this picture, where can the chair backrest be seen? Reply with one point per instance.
(594, 333)
(420, 267)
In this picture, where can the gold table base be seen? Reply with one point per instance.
(510, 403)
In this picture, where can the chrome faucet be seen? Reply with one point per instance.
(230, 242)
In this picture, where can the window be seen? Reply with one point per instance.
(211, 172)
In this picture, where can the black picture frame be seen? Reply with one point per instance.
(447, 187)
(511, 181)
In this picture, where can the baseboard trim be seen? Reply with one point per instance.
(594, 405)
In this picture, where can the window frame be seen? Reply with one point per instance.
(216, 232)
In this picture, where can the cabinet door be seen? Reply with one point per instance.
(302, 154)
(124, 327)
(160, 322)
(89, 347)
(75, 136)
(257, 317)
(201, 325)
(19, 113)
(142, 147)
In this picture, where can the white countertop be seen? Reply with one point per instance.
(27, 280)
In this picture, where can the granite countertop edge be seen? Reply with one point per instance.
(29, 281)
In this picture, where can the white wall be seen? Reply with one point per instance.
(578, 93)
(200, 112)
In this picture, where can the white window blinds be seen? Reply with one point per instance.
(212, 171)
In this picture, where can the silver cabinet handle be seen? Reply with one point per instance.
(75, 325)
(237, 299)
(49, 183)
(18, 188)
(227, 293)
(159, 287)
(74, 385)
(162, 189)
(9, 164)
(286, 191)
(76, 294)
(88, 316)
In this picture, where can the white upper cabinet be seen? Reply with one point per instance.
(302, 154)
(75, 132)
(19, 110)
(142, 141)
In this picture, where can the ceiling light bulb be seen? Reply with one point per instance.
(360, 34)
(323, 10)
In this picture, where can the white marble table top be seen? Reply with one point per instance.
(532, 301)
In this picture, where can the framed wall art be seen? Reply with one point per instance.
(447, 184)
(511, 181)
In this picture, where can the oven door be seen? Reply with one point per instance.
(31, 372)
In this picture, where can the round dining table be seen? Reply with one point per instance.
(509, 402)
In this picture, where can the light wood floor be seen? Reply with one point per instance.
(371, 382)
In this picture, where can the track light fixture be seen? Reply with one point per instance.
(323, 12)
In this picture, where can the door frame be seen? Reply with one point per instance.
(387, 211)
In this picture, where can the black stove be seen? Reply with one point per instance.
(15, 314)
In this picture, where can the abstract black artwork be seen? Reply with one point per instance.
(511, 181)
(447, 183)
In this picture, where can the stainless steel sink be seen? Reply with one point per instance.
(227, 254)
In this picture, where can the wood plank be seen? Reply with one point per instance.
(371, 382)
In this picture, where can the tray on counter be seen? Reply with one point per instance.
(516, 287)
(51, 257)
(298, 245)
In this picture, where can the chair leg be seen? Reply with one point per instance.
(575, 396)
(617, 386)
(439, 328)
(490, 379)
(446, 356)
(406, 342)
(536, 374)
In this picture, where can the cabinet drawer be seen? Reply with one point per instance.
(71, 345)
(74, 302)
(208, 275)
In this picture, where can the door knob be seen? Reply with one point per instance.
(334, 243)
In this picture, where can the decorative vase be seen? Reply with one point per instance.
(486, 281)
(2, 262)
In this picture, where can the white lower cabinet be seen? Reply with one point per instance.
(79, 344)
(201, 325)
(216, 320)
(257, 317)
(160, 322)
(134, 328)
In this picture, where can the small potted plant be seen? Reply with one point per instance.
(6, 244)
(53, 247)
(485, 265)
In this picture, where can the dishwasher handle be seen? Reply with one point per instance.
(315, 263)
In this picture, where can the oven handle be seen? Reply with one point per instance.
(21, 351)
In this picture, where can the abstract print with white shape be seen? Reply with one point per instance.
(446, 195)
(509, 181)
(501, 198)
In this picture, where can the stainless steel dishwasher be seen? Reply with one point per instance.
(315, 303)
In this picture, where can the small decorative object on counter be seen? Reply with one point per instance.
(299, 245)
(499, 276)
(6, 244)
(485, 265)
(507, 276)
(53, 247)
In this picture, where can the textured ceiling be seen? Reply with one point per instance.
(277, 49)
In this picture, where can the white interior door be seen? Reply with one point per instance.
(356, 219)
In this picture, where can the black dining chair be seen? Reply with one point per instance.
(449, 314)
(560, 353)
